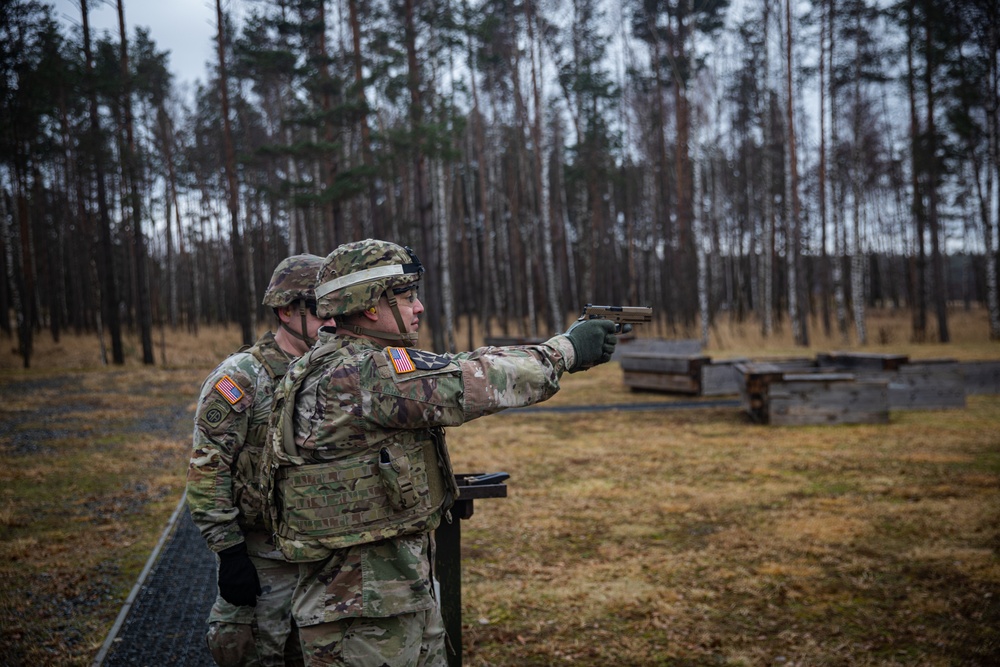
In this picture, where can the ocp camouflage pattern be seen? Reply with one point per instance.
(352, 402)
(347, 259)
(293, 280)
(261, 636)
(227, 443)
(224, 499)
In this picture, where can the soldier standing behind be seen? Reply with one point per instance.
(250, 623)
(356, 471)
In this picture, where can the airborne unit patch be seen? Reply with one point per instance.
(229, 390)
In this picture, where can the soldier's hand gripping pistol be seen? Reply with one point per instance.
(623, 316)
(597, 344)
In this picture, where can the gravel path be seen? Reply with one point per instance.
(168, 618)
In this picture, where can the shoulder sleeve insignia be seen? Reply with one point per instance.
(401, 360)
(428, 361)
(229, 390)
(215, 413)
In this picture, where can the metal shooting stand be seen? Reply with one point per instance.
(448, 560)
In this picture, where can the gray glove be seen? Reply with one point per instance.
(594, 342)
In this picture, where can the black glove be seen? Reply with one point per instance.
(594, 342)
(238, 582)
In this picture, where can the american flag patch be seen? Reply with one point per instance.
(401, 360)
(229, 390)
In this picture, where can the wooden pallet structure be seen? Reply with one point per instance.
(797, 394)
(833, 388)
(678, 367)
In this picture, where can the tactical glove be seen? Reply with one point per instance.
(594, 342)
(238, 582)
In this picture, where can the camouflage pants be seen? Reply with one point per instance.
(407, 640)
(261, 636)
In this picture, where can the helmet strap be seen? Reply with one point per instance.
(404, 338)
(308, 340)
(409, 337)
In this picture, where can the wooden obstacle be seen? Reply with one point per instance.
(676, 366)
(928, 384)
(833, 388)
(862, 361)
(674, 373)
(669, 369)
(935, 384)
(791, 394)
(981, 377)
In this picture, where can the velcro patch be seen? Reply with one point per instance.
(428, 361)
(229, 390)
(401, 360)
(216, 412)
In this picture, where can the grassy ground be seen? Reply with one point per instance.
(628, 538)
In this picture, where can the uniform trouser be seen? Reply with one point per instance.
(408, 640)
(261, 636)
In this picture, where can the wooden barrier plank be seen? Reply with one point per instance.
(720, 378)
(932, 384)
(669, 382)
(827, 399)
(862, 360)
(981, 377)
(680, 346)
(661, 363)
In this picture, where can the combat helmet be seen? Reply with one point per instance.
(356, 275)
(294, 279)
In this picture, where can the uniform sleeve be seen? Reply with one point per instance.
(459, 388)
(221, 424)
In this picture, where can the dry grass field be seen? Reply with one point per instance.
(681, 537)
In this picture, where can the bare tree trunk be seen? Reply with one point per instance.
(837, 197)
(236, 243)
(142, 279)
(105, 264)
(857, 169)
(698, 228)
(991, 221)
(767, 264)
(490, 295)
(444, 241)
(421, 203)
(918, 269)
(793, 206)
(16, 282)
(824, 259)
(682, 164)
(937, 262)
(564, 220)
(372, 226)
(542, 178)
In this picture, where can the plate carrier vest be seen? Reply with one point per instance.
(399, 486)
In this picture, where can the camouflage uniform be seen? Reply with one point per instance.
(223, 493)
(372, 604)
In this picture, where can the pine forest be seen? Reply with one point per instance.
(791, 163)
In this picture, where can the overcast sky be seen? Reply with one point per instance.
(185, 28)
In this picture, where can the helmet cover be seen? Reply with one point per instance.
(356, 275)
(294, 279)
